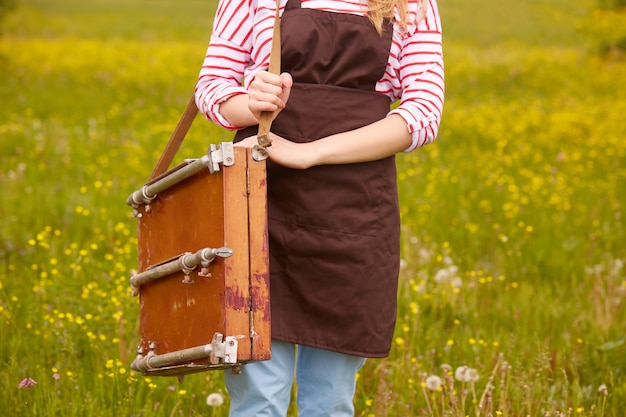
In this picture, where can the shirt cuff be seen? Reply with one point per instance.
(214, 109)
(416, 127)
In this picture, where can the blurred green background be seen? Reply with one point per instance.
(513, 221)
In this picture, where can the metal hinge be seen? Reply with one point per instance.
(251, 319)
(248, 180)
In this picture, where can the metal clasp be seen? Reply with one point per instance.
(224, 154)
(224, 350)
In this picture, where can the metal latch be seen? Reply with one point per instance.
(224, 154)
(223, 350)
(185, 262)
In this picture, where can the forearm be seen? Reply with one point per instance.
(378, 140)
(237, 112)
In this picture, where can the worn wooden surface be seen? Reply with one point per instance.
(209, 210)
(259, 259)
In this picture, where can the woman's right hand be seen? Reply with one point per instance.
(269, 92)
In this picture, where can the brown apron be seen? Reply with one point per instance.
(334, 229)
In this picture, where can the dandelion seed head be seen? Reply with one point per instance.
(460, 372)
(466, 374)
(441, 275)
(603, 389)
(215, 399)
(433, 382)
(473, 375)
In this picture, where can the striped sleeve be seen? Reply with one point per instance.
(227, 57)
(419, 70)
(219, 79)
(241, 42)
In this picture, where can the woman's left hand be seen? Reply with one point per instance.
(359, 145)
(284, 152)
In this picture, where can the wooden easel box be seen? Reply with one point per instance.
(227, 208)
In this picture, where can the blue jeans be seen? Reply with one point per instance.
(326, 382)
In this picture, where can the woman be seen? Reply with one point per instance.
(332, 197)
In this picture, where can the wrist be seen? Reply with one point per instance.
(321, 151)
(311, 154)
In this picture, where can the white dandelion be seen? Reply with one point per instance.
(466, 374)
(433, 382)
(442, 275)
(460, 373)
(215, 399)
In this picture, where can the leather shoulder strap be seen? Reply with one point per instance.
(176, 139)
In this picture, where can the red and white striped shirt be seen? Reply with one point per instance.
(241, 41)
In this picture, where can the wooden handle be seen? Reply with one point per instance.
(265, 122)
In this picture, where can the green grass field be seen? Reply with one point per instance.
(514, 237)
